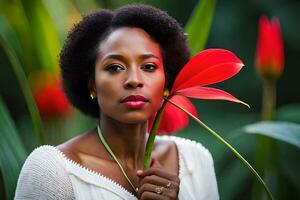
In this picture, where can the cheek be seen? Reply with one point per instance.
(158, 89)
(106, 92)
(103, 99)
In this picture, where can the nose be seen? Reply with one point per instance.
(134, 79)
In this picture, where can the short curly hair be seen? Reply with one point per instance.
(78, 55)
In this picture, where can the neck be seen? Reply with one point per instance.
(127, 141)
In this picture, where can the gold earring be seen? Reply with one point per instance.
(166, 93)
(93, 94)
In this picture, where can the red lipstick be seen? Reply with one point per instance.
(135, 101)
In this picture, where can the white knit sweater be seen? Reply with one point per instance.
(49, 174)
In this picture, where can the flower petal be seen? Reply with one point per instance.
(174, 119)
(278, 56)
(208, 93)
(208, 67)
(269, 50)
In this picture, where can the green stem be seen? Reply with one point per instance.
(269, 100)
(152, 134)
(244, 161)
(265, 153)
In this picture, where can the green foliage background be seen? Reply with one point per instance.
(32, 32)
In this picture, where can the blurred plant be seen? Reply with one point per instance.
(269, 52)
(12, 151)
(269, 62)
(199, 24)
(29, 43)
(10, 44)
(48, 94)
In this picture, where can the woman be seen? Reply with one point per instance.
(116, 67)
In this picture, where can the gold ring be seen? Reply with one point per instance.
(168, 184)
(159, 190)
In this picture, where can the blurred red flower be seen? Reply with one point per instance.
(208, 67)
(48, 94)
(269, 51)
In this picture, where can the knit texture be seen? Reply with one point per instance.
(48, 174)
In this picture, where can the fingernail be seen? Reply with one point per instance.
(139, 172)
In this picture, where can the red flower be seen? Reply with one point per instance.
(51, 100)
(269, 52)
(208, 67)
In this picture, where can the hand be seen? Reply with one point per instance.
(156, 183)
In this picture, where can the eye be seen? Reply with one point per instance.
(149, 67)
(113, 68)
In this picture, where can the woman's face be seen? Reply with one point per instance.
(129, 76)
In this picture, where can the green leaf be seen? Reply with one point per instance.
(21, 77)
(8, 35)
(64, 17)
(44, 36)
(12, 151)
(199, 24)
(21, 32)
(284, 131)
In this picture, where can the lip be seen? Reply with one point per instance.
(135, 98)
(135, 101)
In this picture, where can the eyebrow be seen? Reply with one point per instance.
(148, 56)
(121, 57)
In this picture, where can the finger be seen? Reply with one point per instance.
(146, 187)
(149, 183)
(158, 172)
(167, 192)
(155, 180)
(147, 195)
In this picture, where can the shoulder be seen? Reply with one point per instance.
(190, 148)
(44, 150)
(43, 175)
(44, 158)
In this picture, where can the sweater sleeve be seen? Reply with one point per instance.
(43, 176)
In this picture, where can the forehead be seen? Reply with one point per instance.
(126, 39)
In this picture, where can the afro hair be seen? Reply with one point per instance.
(78, 55)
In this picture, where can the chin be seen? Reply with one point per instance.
(134, 118)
